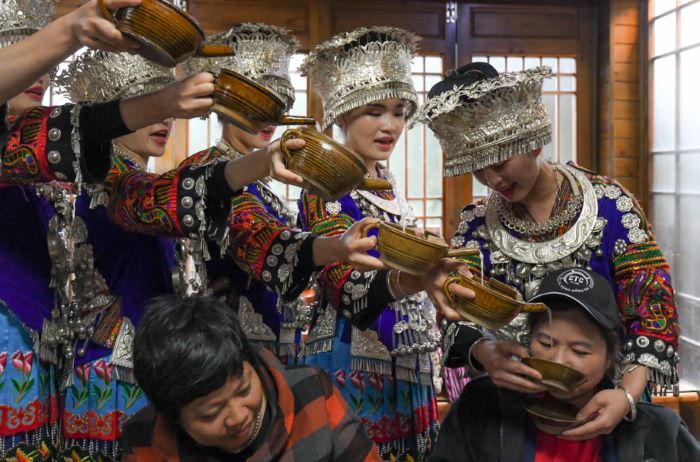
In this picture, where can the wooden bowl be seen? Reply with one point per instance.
(249, 105)
(332, 169)
(495, 305)
(167, 35)
(405, 250)
(551, 415)
(557, 377)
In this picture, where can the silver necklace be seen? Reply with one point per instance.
(532, 228)
(256, 427)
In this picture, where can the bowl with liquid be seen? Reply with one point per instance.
(552, 415)
(557, 377)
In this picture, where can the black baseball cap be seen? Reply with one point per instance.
(588, 289)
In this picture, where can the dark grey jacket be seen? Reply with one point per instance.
(488, 424)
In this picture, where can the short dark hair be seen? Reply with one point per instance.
(612, 337)
(186, 348)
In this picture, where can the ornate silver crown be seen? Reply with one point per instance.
(489, 121)
(262, 53)
(21, 18)
(355, 68)
(102, 76)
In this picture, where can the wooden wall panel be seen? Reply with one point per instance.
(529, 23)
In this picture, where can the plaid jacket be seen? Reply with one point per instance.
(310, 422)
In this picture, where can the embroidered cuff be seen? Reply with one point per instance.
(659, 356)
(287, 269)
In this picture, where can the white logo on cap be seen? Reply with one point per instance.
(575, 280)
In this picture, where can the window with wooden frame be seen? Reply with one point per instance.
(674, 120)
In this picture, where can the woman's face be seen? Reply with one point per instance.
(149, 141)
(514, 178)
(575, 341)
(373, 130)
(249, 141)
(31, 97)
(225, 418)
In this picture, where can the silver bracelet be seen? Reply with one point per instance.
(632, 414)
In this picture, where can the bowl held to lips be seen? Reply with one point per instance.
(557, 377)
(249, 105)
(166, 34)
(331, 169)
(495, 305)
(552, 415)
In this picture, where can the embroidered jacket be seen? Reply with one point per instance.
(621, 248)
(309, 422)
(195, 201)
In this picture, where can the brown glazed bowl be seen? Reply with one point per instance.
(167, 35)
(495, 305)
(556, 377)
(405, 250)
(551, 415)
(249, 105)
(329, 167)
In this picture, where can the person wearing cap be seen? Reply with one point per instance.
(489, 423)
(541, 216)
(372, 334)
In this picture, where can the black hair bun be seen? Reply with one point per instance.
(465, 75)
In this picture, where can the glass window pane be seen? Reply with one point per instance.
(689, 168)
(567, 83)
(214, 129)
(662, 6)
(664, 34)
(549, 84)
(567, 127)
(434, 225)
(551, 62)
(433, 208)
(417, 207)
(549, 151)
(418, 82)
(478, 189)
(198, 136)
(480, 59)
(514, 64)
(431, 80)
(415, 162)
(688, 255)
(664, 173)
(417, 64)
(397, 163)
(664, 222)
(664, 103)
(433, 64)
(433, 163)
(498, 62)
(567, 65)
(690, 19)
(532, 62)
(690, 99)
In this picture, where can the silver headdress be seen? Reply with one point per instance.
(262, 53)
(489, 121)
(356, 68)
(102, 76)
(21, 18)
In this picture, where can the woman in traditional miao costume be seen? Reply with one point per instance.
(262, 54)
(542, 216)
(373, 339)
(125, 269)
